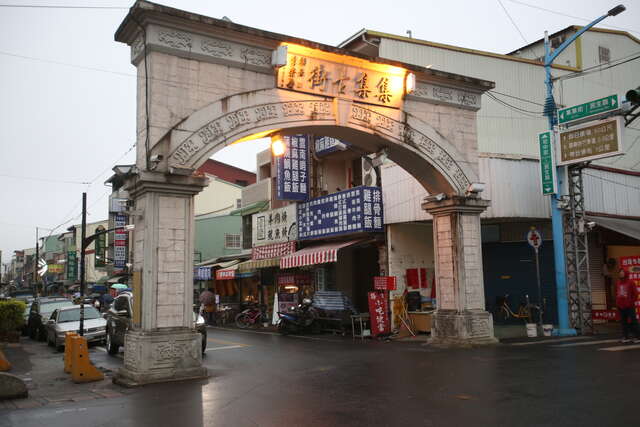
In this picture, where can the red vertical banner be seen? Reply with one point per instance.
(423, 278)
(413, 278)
(631, 266)
(379, 313)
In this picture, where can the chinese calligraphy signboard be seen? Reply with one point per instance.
(72, 265)
(591, 141)
(587, 109)
(379, 313)
(202, 273)
(226, 274)
(547, 163)
(120, 242)
(325, 145)
(631, 266)
(355, 210)
(370, 83)
(274, 226)
(293, 178)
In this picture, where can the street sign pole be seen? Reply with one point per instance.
(540, 305)
(83, 235)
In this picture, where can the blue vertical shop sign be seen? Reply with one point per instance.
(355, 210)
(293, 168)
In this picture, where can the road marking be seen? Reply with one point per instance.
(549, 341)
(227, 347)
(237, 344)
(576, 344)
(621, 348)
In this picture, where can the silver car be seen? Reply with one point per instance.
(67, 319)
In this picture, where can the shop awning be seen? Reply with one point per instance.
(628, 227)
(258, 264)
(251, 209)
(318, 254)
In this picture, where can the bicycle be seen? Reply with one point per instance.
(251, 316)
(526, 311)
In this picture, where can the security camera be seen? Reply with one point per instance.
(435, 197)
(156, 158)
(590, 224)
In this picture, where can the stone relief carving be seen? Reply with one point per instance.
(217, 48)
(164, 352)
(175, 39)
(137, 47)
(447, 95)
(132, 354)
(479, 327)
(255, 56)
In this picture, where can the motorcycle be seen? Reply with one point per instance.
(302, 318)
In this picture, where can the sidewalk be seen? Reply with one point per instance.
(42, 369)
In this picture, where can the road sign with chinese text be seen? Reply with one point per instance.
(591, 141)
(591, 108)
(547, 163)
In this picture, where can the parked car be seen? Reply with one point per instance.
(67, 319)
(39, 313)
(119, 317)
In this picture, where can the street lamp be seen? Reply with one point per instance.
(564, 327)
(85, 242)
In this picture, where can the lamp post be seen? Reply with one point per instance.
(564, 327)
(85, 241)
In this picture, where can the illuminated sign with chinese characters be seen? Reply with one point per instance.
(274, 226)
(350, 211)
(371, 83)
(293, 179)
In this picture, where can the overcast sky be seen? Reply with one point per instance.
(67, 89)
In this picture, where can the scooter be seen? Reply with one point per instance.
(302, 318)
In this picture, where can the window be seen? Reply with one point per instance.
(238, 203)
(604, 54)
(232, 241)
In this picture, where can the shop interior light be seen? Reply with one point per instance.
(278, 147)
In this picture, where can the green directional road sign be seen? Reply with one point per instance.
(547, 163)
(597, 106)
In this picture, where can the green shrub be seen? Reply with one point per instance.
(11, 315)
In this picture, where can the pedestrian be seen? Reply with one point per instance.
(207, 305)
(626, 297)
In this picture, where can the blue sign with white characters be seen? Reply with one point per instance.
(325, 145)
(350, 211)
(293, 178)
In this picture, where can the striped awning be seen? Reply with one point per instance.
(258, 263)
(312, 255)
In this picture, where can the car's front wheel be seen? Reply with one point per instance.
(112, 348)
(59, 347)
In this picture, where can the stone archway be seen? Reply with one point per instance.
(429, 132)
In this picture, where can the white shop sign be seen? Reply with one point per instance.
(274, 226)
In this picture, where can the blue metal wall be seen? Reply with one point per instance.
(511, 268)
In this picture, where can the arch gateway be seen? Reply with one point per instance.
(205, 83)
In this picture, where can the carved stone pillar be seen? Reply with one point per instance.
(162, 344)
(460, 317)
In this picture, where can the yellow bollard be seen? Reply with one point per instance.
(67, 351)
(4, 363)
(82, 370)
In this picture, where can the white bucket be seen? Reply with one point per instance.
(532, 330)
(547, 330)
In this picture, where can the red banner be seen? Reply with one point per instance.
(606, 315)
(631, 266)
(226, 274)
(379, 312)
(384, 283)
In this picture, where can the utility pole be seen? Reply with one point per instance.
(35, 265)
(564, 327)
(83, 233)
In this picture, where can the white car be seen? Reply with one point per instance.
(67, 319)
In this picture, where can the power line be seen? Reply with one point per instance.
(32, 178)
(516, 97)
(593, 70)
(115, 162)
(567, 15)
(513, 107)
(513, 22)
(37, 6)
(612, 181)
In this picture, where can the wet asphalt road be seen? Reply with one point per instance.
(262, 379)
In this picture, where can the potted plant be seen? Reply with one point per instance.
(11, 319)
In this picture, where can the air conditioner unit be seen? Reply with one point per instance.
(369, 175)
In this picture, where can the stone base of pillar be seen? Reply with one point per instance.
(467, 328)
(172, 354)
